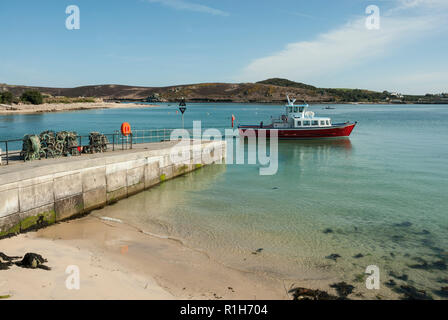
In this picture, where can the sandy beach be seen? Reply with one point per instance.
(60, 107)
(117, 261)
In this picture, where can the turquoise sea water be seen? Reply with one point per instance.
(382, 193)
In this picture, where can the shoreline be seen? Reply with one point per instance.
(117, 261)
(311, 103)
(62, 107)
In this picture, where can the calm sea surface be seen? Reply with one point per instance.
(381, 194)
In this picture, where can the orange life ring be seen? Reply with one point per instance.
(125, 129)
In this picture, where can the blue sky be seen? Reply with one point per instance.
(168, 42)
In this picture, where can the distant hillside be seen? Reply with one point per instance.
(287, 83)
(203, 92)
(267, 91)
(359, 95)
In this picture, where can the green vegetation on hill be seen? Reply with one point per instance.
(358, 95)
(339, 95)
(32, 96)
(6, 97)
(287, 83)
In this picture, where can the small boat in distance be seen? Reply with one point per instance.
(329, 108)
(298, 123)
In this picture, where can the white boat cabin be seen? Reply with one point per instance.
(297, 116)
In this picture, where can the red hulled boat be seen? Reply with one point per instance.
(298, 123)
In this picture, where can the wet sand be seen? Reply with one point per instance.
(117, 261)
(60, 107)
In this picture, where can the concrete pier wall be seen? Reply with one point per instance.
(35, 195)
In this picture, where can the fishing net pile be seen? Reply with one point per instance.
(97, 143)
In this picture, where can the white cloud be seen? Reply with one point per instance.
(422, 3)
(334, 54)
(345, 47)
(418, 6)
(188, 6)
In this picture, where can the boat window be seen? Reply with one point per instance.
(299, 123)
(315, 123)
(328, 122)
(301, 109)
(295, 109)
(290, 109)
(322, 123)
(306, 123)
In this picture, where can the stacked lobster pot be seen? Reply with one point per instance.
(68, 143)
(31, 148)
(97, 143)
(50, 144)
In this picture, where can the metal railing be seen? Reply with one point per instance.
(6, 150)
(116, 142)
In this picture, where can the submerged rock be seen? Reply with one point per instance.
(430, 244)
(333, 256)
(404, 224)
(359, 255)
(439, 265)
(309, 294)
(412, 293)
(403, 277)
(397, 238)
(440, 251)
(257, 251)
(391, 283)
(443, 292)
(424, 265)
(33, 261)
(343, 289)
(328, 230)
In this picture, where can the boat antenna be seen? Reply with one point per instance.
(290, 103)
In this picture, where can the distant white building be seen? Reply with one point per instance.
(396, 94)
